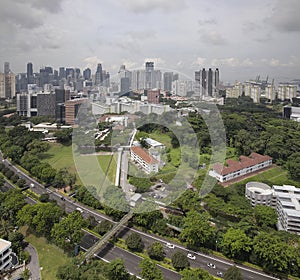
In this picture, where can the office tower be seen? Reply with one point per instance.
(46, 104)
(125, 85)
(72, 109)
(62, 73)
(2, 85)
(153, 96)
(29, 73)
(207, 82)
(21, 82)
(98, 75)
(77, 73)
(87, 73)
(168, 79)
(6, 67)
(124, 73)
(149, 68)
(70, 73)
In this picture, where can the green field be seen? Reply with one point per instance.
(274, 176)
(50, 256)
(60, 156)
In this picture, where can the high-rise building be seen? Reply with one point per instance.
(253, 90)
(287, 91)
(72, 109)
(98, 75)
(207, 82)
(10, 85)
(168, 79)
(29, 73)
(6, 67)
(62, 73)
(149, 68)
(2, 85)
(87, 74)
(125, 85)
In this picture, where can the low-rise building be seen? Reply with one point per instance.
(148, 163)
(5, 255)
(260, 194)
(235, 169)
(154, 144)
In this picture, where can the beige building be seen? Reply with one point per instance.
(287, 91)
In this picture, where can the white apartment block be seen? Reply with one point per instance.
(253, 90)
(235, 169)
(287, 91)
(236, 91)
(5, 255)
(288, 208)
(181, 88)
(260, 194)
(270, 92)
(148, 163)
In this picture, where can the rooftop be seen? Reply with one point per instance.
(244, 162)
(144, 155)
(4, 244)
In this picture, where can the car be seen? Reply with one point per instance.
(79, 209)
(219, 273)
(170, 246)
(62, 198)
(32, 185)
(211, 265)
(190, 256)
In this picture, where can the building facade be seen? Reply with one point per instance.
(235, 169)
(260, 194)
(5, 255)
(207, 82)
(148, 163)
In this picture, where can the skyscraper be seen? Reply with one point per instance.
(87, 74)
(98, 76)
(9, 82)
(149, 67)
(207, 82)
(168, 79)
(29, 73)
(6, 67)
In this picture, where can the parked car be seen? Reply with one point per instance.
(190, 256)
(79, 209)
(171, 246)
(211, 265)
(32, 185)
(219, 273)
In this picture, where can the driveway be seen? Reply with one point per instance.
(33, 265)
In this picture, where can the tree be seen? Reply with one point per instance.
(44, 197)
(236, 244)
(117, 271)
(265, 216)
(196, 274)
(149, 271)
(103, 227)
(196, 230)
(293, 166)
(156, 251)
(68, 231)
(63, 135)
(180, 260)
(134, 242)
(233, 273)
(16, 239)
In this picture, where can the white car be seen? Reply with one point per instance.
(79, 209)
(219, 273)
(190, 256)
(32, 185)
(171, 246)
(211, 265)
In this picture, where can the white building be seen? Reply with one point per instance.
(235, 169)
(5, 255)
(253, 90)
(287, 91)
(260, 194)
(148, 163)
(235, 91)
(181, 88)
(154, 144)
(270, 92)
(288, 208)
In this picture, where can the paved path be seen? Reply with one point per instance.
(33, 265)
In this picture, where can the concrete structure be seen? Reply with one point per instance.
(5, 255)
(290, 112)
(207, 82)
(72, 108)
(270, 92)
(288, 208)
(154, 144)
(260, 194)
(153, 96)
(235, 169)
(144, 159)
(253, 90)
(287, 91)
(181, 88)
(235, 91)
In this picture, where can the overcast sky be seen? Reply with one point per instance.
(242, 38)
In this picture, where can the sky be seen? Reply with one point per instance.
(242, 38)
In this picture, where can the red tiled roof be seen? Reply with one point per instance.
(143, 154)
(244, 162)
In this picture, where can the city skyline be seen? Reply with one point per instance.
(243, 39)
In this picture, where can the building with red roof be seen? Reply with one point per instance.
(234, 169)
(144, 159)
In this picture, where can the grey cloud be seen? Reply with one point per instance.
(212, 37)
(257, 32)
(202, 22)
(285, 16)
(53, 6)
(146, 6)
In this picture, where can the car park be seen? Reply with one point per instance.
(211, 265)
(191, 256)
(170, 246)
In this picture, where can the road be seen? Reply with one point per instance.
(201, 259)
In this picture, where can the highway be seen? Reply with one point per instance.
(69, 205)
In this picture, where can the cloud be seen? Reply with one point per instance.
(53, 6)
(285, 16)
(200, 61)
(232, 62)
(212, 37)
(129, 63)
(146, 6)
(92, 62)
(158, 62)
(275, 62)
(202, 22)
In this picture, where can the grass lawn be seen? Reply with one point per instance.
(50, 256)
(60, 156)
(162, 138)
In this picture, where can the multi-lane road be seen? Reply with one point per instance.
(111, 252)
